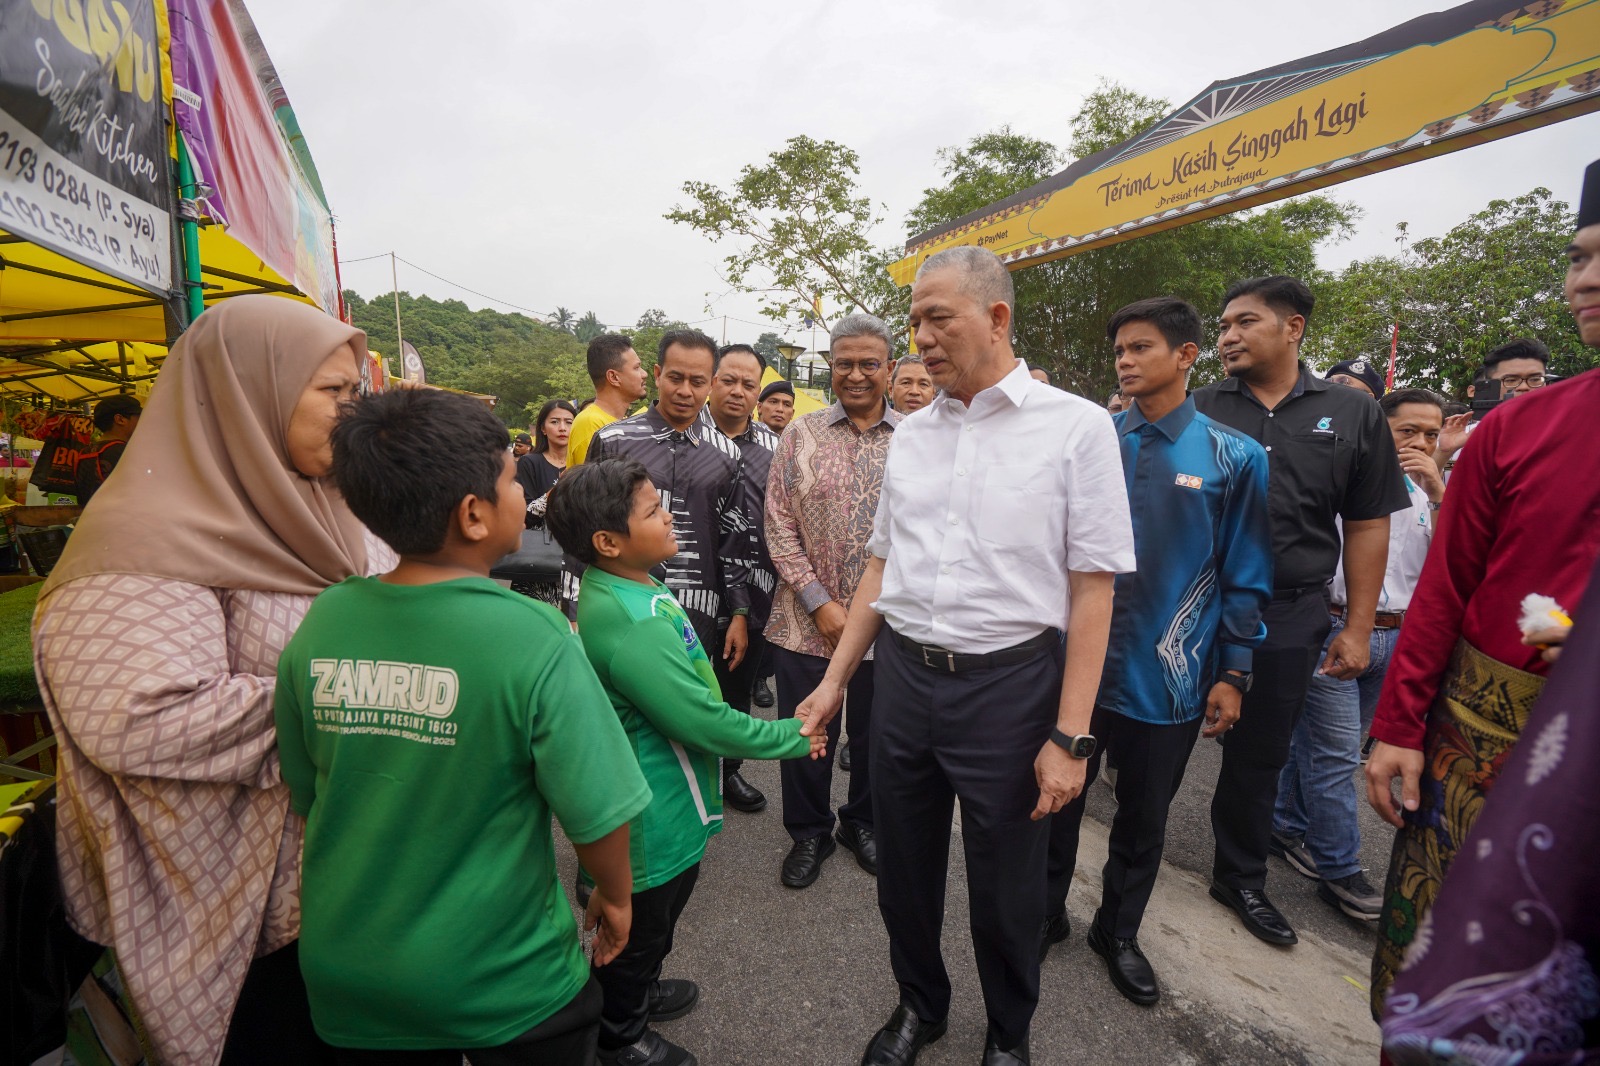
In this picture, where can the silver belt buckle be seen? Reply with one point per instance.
(933, 664)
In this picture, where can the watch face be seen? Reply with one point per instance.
(1083, 746)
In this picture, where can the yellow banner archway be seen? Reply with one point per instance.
(1446, 81)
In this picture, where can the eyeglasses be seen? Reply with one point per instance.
(868, 367)
(1511, 381)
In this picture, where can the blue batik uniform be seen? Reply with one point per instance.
(1198, 495)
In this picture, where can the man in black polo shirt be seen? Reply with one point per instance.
(1330, 455)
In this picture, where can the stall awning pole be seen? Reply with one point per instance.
(188, 213)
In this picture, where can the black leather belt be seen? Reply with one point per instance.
(1381, 620)
(1284, 595)
(953, 662)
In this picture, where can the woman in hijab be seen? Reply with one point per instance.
(156, 644)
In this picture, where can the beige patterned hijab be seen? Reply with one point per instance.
(205, 492)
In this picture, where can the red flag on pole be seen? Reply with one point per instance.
(1394, 350)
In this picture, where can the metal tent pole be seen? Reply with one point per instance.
(194, 293)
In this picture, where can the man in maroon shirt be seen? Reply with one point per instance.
(1522, 516)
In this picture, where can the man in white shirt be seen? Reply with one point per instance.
(1002, 523)
(1314, 827)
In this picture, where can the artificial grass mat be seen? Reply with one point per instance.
(17, 684)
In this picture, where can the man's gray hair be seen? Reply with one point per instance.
(906, 361)
(983, 276)
(861, 324)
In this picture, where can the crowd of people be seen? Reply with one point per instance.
(267, 654)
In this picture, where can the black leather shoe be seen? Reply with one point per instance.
(844, 756)
(1130, 971)
(901, 1037)
(671, 1000)
(763, 696)
(1056, 929)
(804, 861)
(1255, 910)
(858, 839)
(651, 1049)
(994, 1055)
(741, 795)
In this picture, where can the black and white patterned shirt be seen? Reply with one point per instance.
(699, 473)
(756, 445)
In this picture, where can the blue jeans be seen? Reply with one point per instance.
(1317, 792)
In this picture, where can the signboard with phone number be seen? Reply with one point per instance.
(83, 154)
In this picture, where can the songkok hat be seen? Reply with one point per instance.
(1362, 371)
(777, 387)
(1589, 201)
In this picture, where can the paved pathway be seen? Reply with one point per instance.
(803, 977)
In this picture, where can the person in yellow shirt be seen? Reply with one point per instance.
(620, 381)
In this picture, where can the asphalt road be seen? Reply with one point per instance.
(802, 977)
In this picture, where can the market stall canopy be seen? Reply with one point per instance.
(1475, 73)
(115, 228)
(77, 373)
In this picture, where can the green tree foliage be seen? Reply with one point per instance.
(1062, 306)
(520, 361)
(989, 168)
(653, 318)
(588, 327)
(767, 345)
(799, 226)
(1493, 278)
(562, 320)
(1110, 115)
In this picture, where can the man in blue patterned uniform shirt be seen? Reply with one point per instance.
(1184, 625)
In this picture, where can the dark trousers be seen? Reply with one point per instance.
(566, 1038)
(807, 783)
(271, 1022)
(1150, 761)
(938, 737)
(626, 979)
(1254, 751)
(739, 684)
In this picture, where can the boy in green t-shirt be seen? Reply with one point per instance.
(651, 664)
(427, 762)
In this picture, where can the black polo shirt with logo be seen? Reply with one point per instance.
(1329, 455)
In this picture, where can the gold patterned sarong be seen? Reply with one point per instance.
(1472, 727)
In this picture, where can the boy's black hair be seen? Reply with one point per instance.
(404, 459)
(1176, 321)
(605, 353)
(687, 338)
(1285, 295)
(109, 408)
(593, 497)
(1521, 348)
(1390, 402)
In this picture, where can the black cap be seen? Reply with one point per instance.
(1589, 201)
(1362, 371)
(523, 438)
(777, 387)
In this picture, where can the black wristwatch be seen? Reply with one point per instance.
(1079, 747)
(1242, 682)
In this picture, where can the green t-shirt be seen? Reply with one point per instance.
(647, 656)
(428, 733)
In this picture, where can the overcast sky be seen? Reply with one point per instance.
(529, 151)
